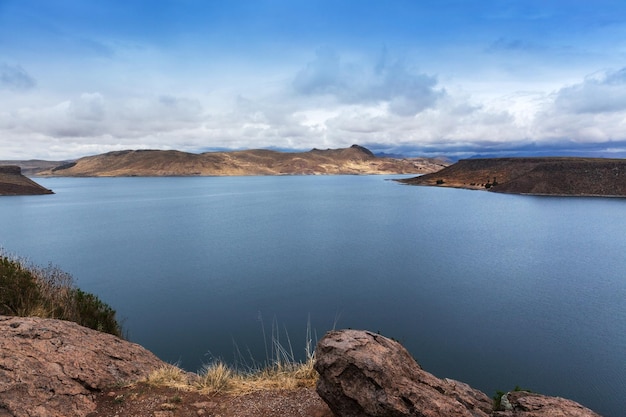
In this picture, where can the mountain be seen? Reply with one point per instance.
(353, 160)
(12, 182)
(568, 176)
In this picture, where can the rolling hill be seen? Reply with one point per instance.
(353, 160)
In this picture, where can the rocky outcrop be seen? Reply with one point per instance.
(12, 182)
(54, 368)
(365, 374)
(51, 368)
(528, 404)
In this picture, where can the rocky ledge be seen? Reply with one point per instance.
(54, 368)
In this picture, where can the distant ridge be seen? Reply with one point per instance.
(32, 166)
(12, 182)
(353, 160)
(566, 176)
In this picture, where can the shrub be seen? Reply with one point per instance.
(497, 398)
(91, 312)
(27, 290)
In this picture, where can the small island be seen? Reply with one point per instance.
(12, 182)
(557, 176)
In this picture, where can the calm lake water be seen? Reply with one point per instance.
(490, 289)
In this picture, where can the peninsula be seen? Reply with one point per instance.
(149, 163)
(12, 182)
(564, 176)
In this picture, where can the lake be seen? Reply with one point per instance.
(493, 290)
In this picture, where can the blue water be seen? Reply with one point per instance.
(490, 289)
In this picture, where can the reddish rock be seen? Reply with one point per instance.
(527, 404)
(364, 374)
(51, 368)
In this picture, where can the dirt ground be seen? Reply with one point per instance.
(142, 400)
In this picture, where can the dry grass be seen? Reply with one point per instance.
(170, 376)
(286, 376)
(281, 371)
(218, 377)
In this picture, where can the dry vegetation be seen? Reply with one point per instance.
(281, 370)
(283, 387)
(220, 378)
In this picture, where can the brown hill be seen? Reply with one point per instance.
(353, 160)
(12, 182)
(537, 176)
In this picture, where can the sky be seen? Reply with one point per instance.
(411, 77)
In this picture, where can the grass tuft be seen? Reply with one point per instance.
(216, 377)
(169, 376)
(219, 377)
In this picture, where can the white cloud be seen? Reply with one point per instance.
(603, 93)
(406, 91)
(592, 111)
(92, 121)
(89, 107)
(333, 101)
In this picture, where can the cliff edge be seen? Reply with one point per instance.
(12, 182)
(54, 368)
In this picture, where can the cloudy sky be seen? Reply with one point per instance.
(422, 77)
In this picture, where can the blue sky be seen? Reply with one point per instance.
(455, 77)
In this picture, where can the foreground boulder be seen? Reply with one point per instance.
(366, 374)
(52, 368)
